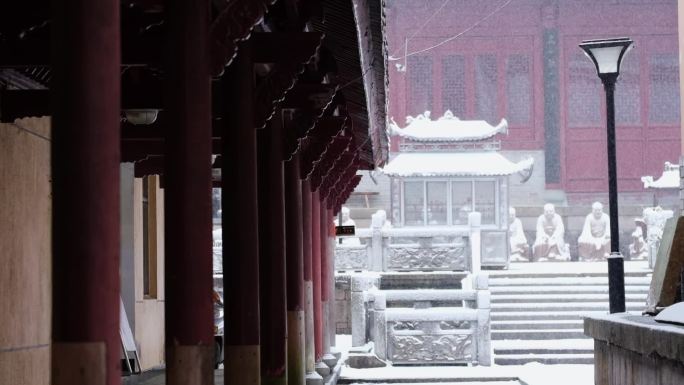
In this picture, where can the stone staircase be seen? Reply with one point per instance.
(537, 316)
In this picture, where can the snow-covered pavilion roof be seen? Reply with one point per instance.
(486, 163)
(448, 128)
(669, 179)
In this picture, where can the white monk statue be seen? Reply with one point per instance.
(519, 248)
(549, 244)
(347, 221)
(594, 241)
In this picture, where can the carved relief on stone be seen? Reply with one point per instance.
(430, 348)
(433, 258)
(406, 325)
(451, 325)
(351, 258)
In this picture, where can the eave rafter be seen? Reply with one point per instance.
(233, 24)
(316, 144)
(271, 91)
(339, 144)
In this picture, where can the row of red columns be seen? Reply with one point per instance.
(276, 246)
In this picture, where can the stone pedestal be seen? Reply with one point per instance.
(632, 349)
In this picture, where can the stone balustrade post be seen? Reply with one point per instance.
(359, 287)
(474, 225)
(480, 283)
(376, 248)
(379, 327)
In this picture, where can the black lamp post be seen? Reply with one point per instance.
(607, 55)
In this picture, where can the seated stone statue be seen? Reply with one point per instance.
(519, 248)
(638, 249)
(549, 244)
(594, 241)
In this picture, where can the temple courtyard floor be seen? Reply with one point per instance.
(530, 371)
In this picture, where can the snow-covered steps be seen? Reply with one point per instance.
(549, 359)
(497, 280)
(562, 306)
(537, 334)
(566, 298)
(538, 324)
(585, 289)
(545, 315)
(538, 309)
(560, 351)
(575, 346)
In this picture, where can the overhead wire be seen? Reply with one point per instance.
(451, 38)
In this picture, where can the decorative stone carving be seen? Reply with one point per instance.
(351, 257)
(437, 257)
(430, 348)
(452, 325)
(655, 218)
(406, 325)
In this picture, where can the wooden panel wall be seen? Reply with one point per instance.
(25, 252)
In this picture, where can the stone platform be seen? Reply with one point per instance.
(632, 349)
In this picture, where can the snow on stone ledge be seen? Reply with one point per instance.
(669, 179)
(448, 128)
(455, 164)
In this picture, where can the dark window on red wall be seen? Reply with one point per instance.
(519, 90)
(664, 89)
(584, 93)
(628, 93)
(486, 88)
(419, 73)
(453, 84)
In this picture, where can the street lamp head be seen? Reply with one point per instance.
(607, 55)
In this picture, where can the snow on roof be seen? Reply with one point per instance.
(669, 179)
(448, 128)
(455, 164)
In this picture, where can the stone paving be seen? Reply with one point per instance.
(158, 377)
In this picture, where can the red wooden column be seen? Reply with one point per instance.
(326, 277)
(272, 255)
(325, 305)
(330, 271)
(240, 226)
(312, 377)
(85, 188)
(187, 199)
(316, 267)
(295, 273)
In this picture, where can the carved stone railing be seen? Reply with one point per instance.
(414, 249)
(422, 334)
